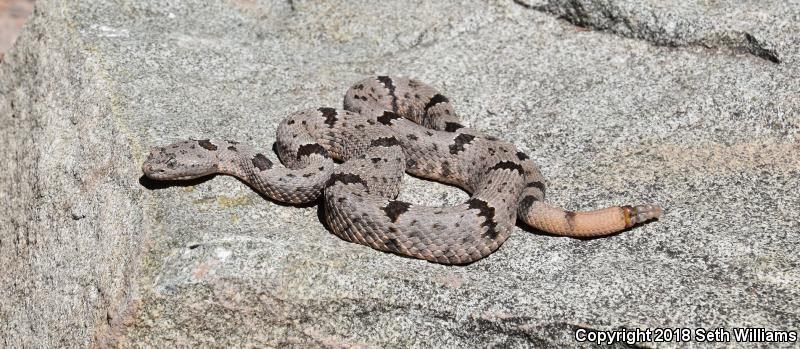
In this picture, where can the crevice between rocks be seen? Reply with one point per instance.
(646, 24)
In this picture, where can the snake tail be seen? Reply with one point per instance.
(610, 220)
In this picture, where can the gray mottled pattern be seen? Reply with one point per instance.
(381, 135)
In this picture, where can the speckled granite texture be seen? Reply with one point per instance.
(691, 105)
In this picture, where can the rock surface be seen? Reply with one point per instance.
(692, 105)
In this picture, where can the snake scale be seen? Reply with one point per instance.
(392, 125)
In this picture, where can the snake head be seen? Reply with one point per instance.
(179, 161)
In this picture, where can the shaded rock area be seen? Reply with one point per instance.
(691, 105)
(749, 27)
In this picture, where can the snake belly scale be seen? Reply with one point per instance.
(391, 125)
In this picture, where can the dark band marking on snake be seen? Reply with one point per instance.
(330, 116)
(391, 125)
(261, 162)
(395, 208)
(206, 144)
(452, 126)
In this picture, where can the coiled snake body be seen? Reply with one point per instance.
(390, 125)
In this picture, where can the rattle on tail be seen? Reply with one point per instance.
(392, 125)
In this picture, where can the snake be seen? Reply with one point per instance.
(356, 157)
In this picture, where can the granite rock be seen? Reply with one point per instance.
(691, 105)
